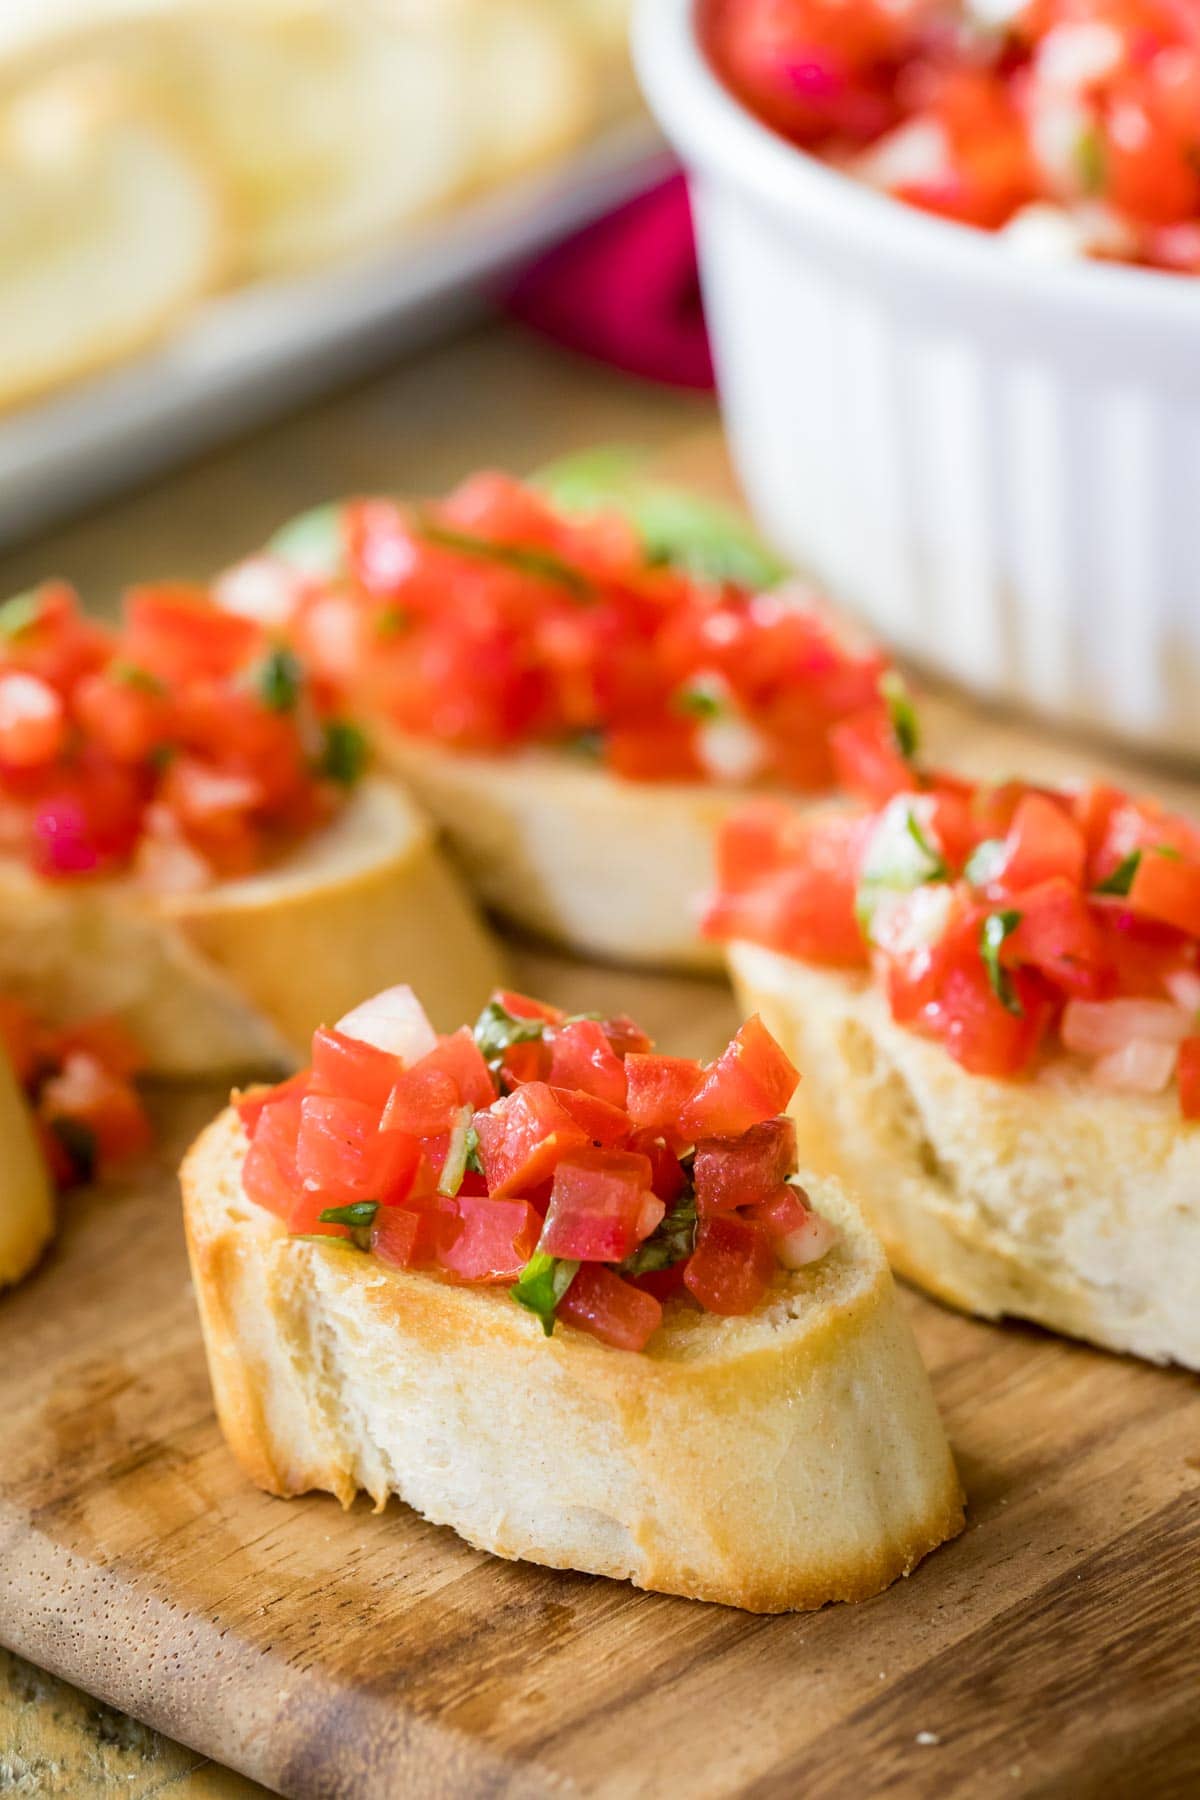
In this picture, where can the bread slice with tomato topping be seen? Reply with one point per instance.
(566, 1301)
(578, 682)
(237, 975)
(996, 995)
(26, 1193)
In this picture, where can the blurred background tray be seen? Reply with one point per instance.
(248, 355)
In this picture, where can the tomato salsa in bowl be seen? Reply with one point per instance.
(1072, 126)
(984, 454)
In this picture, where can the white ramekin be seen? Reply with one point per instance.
(996, 462)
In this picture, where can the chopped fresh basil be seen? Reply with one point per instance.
(312, 542)
(525, 559)
(392, 621)
(702, 699)
(986, 862)
(1121, 879)
(19, 613)
(278, 678)
(544, 1280)
(589, 745)
(473, 1161)
(79, 1142)
(899, 858)
(497, 1030)
(358, 1216)
(674, 1240)
(132, 675)
(344, 754)
(455, 1165)
(1091, 163)
(680, 529)
(902, 714)
(996, 928)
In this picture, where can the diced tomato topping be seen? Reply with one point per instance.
(1044, 842)
(601, 1206)
(106, 1105)
(731, 1267)
(33, 722)
(552, 1187)
(658, 1089)
(744, 1171)
(1059, 936)
(496, 1240)
(523, 1138)
(1189, 1077)
(800, 896)
(750, 1081)
(582, 1057)
(598, 1301)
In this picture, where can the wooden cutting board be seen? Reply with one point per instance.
(1050, 1650)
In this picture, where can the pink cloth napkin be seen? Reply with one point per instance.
(626, 291)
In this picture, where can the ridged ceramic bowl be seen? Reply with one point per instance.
(996, 462)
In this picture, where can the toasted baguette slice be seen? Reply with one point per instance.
(26, 1196)
(239, 976)
(613, 869)
(99, 197)
(1046, 1199)
(774, 1462)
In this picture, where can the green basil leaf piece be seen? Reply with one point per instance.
(312, 542)
(345, 753)
(497, 1030)
(525, 559)
(996, 928)
(1121, 879)
(673, 1242)
(902, 714)
(278, 679)
(358, 1216)
(543, 1282)
(19, 613)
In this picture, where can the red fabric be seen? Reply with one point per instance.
(625, 291)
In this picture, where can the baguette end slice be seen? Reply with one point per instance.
(1044, 1199)
(772, 1463)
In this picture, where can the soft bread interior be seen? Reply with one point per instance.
(26, 1196)
(239, 976)
(614, 869)
(1046, 1199)
(777, 1461)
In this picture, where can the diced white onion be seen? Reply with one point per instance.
(1102, 1027)
(903, 925)
(808, 1243)
(263, 588)
(912, 154)
(1045, 234)
(394, 1021)
(1140, 1067)
(1072, 58)
(731, 750)
(1184, 988)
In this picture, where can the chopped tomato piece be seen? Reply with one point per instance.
(667, 1176)
(407, 1239)
(1189, 1077)
(658, 1089)
(496, 1240)
(177, 633)
(342, 1154)
(1167, 889)
(744, 1171)
(732, 1265)
(626, 1036)
(605, 1125)
(251, 1105)
(601, 1206)
(1058, 936)
(106, 1106)
(522, 1007)
(582, 1058)
(598, 1301)
(868, 761)
(1043, 842)
(424, 1101)
(523, 1138)
(33, 722)
(805, 906)
(750, 1081)
(351, 1069)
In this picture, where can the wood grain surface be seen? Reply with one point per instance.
(1052, 1650)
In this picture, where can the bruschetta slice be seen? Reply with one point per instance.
(26, 1192)
(996, 992)
(571, 1298)
(576, 697)
(188, 845)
